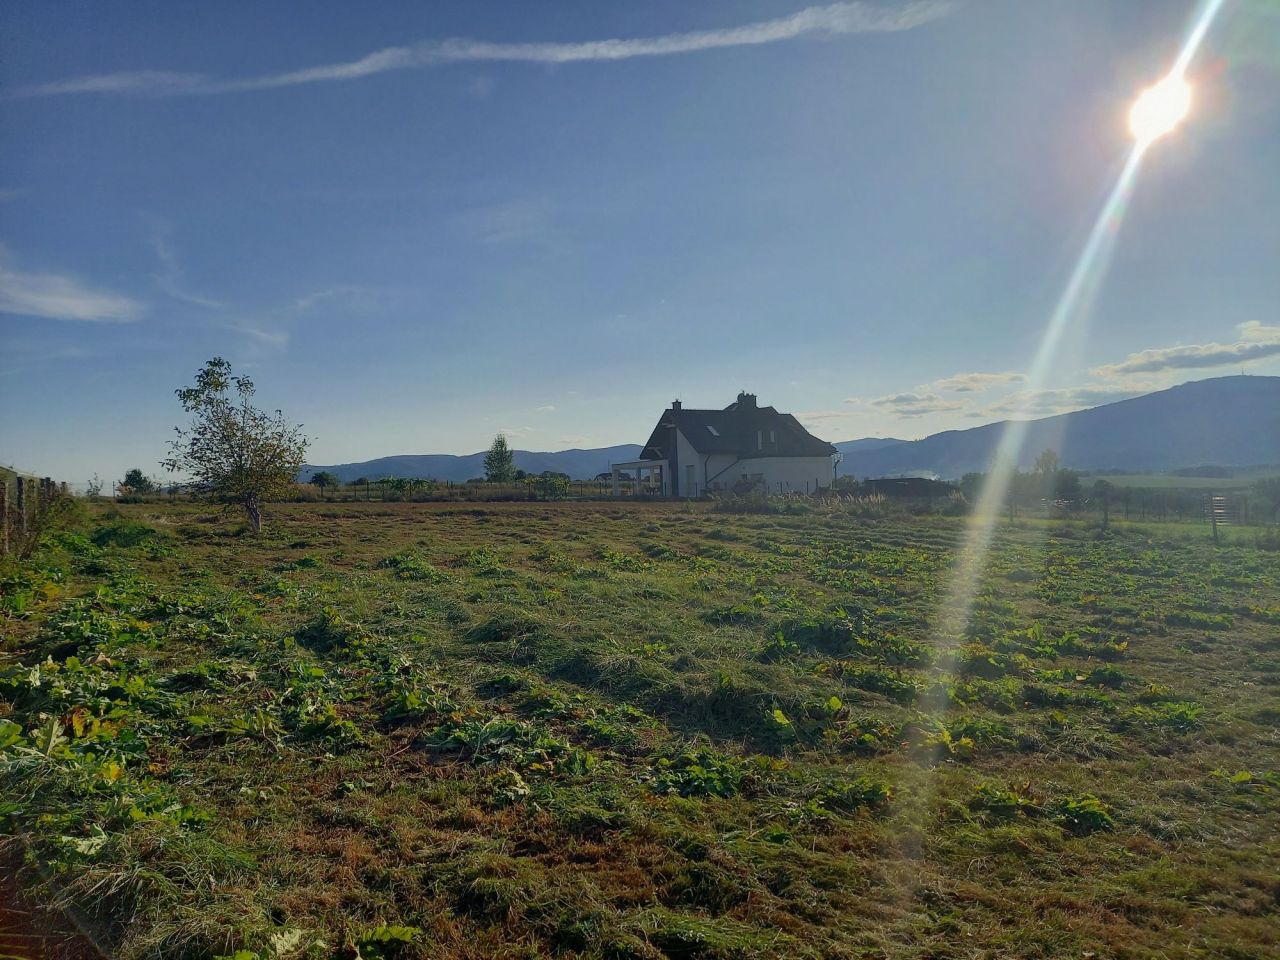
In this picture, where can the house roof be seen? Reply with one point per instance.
(738, 430)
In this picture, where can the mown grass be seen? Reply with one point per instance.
(596, 730)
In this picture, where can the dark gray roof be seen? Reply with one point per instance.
(736, 430)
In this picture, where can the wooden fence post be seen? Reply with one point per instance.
(22, 505)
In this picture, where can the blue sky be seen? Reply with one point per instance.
(418, 224)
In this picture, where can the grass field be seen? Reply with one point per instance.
(643, 731)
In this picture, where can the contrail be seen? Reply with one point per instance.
(833, 20)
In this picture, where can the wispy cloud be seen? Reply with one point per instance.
(1256, 342)
(977, 382)
(527, 220)
(346, 296)
(514, 433)
(548, 408)
(60, 296)
(1046, 403)
(833, 20)
(911, 404)
(480, 88)
(826, 416)
(262, 337)
(172, 278)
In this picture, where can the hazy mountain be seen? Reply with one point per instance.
(579, 464)
(1230, 421)
(865, 445)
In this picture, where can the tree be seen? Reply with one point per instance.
(135, 481)
(94, 488)
(499, 462)
(550, 484)
(325, 479)
(1066, 486)
(1047, 463)
(235, 453)
(971, 486)
(1268, 490)
(1103, 491)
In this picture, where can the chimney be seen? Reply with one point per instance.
(747, 400)
(675, 404)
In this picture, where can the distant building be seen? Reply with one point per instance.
(742, 448)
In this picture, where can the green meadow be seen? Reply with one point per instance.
(651, 731)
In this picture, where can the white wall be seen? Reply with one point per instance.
(723, 470)
(786, 474)
(685, 455)
(716, 474)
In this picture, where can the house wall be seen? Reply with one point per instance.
(786, 474)
(720, 472)
(685, 455)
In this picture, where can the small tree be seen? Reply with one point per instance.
(1066, 486)
(1103, 491)
(971, 485)
(1047, 463)
(499, 462)
(234, 452)
(136, 482)
(1268, 490)
(94, 488)
(325, 479)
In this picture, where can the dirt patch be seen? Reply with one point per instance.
(28, 932)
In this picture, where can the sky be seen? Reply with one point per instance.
(416, 225)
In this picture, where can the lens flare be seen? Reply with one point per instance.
(1159, 109)
(1156, 112)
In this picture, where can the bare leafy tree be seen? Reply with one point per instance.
(233, 452)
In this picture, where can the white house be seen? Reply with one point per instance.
(743, 447)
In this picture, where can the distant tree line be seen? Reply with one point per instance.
(1049, 485)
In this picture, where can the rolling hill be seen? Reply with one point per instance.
(579, 464)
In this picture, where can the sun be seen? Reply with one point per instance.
(1159, 109)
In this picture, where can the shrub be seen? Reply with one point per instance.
(1082, 815)
(698, 773)
(1002, 804)
(124, 533)
(847, 796)
(1180, 717)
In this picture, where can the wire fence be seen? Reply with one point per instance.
(421, 491)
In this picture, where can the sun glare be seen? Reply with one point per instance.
(1159, 109)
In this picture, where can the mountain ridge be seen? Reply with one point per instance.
(1229, 421)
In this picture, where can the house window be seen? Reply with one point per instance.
(772, 439)
(759, 439)
(712, 430)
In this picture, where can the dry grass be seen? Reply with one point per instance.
(605, 730)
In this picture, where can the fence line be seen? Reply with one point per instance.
(21, 522)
